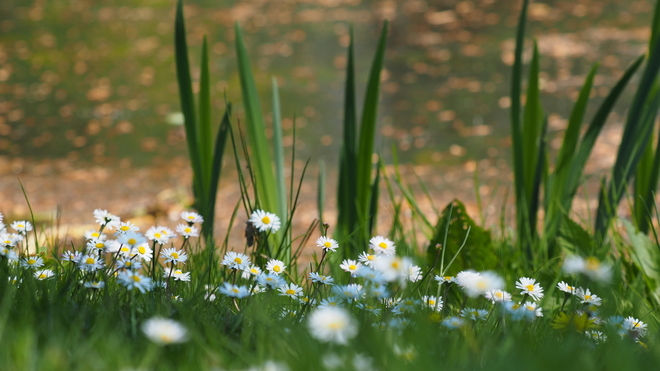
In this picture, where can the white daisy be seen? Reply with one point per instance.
(478, 283)
(32, 262)
(125, 227)
(265, 221)
(177, 274)
(96, 285)
(104, 218)
(529, 286)
(130, 239)
(531, 310)
(154, 234)
(94, 234)
(134, 280)
(432, 302)
(497, 296)
(382, 245)
(275, 266)
(143, 251)
(252, 271)
(128, 264)
(318, 278)
(330, 301)
(367, 259)
(233, 290)
(393, 267)
(72, 256)
(236, 260)
(96, 245)
(22, 226)
(635, 326)
(586, 297)
(453, 322)
(173, 255)
(90, 263)
(350, 266)
(163, 331)
(332, 324)
(291, 290)
(191, 217)
(187, 231)
(563, 286)
(348, 292)
(474, 314)
(43, 274)
(445, 279)
(271, 280)
(327, 244)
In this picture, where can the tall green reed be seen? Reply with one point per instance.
(357, 190)
(205, 155)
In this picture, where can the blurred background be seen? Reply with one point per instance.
(89, 110)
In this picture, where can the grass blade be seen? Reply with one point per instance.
(368, 131)
(279, 151)
(220, 142)
(256, 128)
(204, 129)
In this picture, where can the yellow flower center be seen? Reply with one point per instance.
(290, 292)
(99, 245)
(334, 325)
(238, 260)
(90, 261)
(175, 255)
(382, 245)
(124, 249)
(142, 250)
(42, 276)
(499, 294)
(178, 271)
(371, 257)
(515, 306)
(124, 228)
(31, 261)
(21, 225)
(587, 297)
(128, 263)
(265, 220)
(447, 278)
(431, 302)
(95, 234)
(352, 267)
(277, 268)
(591, 264)
(327, 244)
(187, 230)
(157, 235)
(235, 290)
(530, 287)
(136, 278)
(395, 264)
(132, 241)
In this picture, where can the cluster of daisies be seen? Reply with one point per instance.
(126, 255)
(379, 284)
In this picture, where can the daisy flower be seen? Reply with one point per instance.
(382, 245)
(177, 274)
(32, 262)
(125, 227)
(72, 256)
(252, 271)
(173, 255)
(104, 218)
(90, 263)
(586, 297)
(265, 221)
(531, 310)
(43, 274)
(349, 292)
(635, 326)
(96, 244)
(134, 280)
(563, 286)
(154, 234)
(350, 266)
(92, 234)
(318, 278)
(187, 231)
(330, 302)
(367, 259)
(128, 264)
(10, 239)
(21, 226)
(163, 331)
(291, 290)
(96, 285)
(590, 267)
(130, 239)
(432, 302)
(143, 251)
(414, 273)
(393, 267)
(271, 280)
(528, 286)
(474, 314)
(453, 322)
(370, 274)
(332, 324)
(233, 290)
(445, 279)
(191, 217)
(497, 296)
(236, 260)
(327, 244)
(275, 266)
(478, 283)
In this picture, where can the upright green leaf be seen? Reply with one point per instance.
(204, 129)
(368, 132)
(256, 128)
(219, 149)
(278, 146)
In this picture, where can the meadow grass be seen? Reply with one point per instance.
(540, 295)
